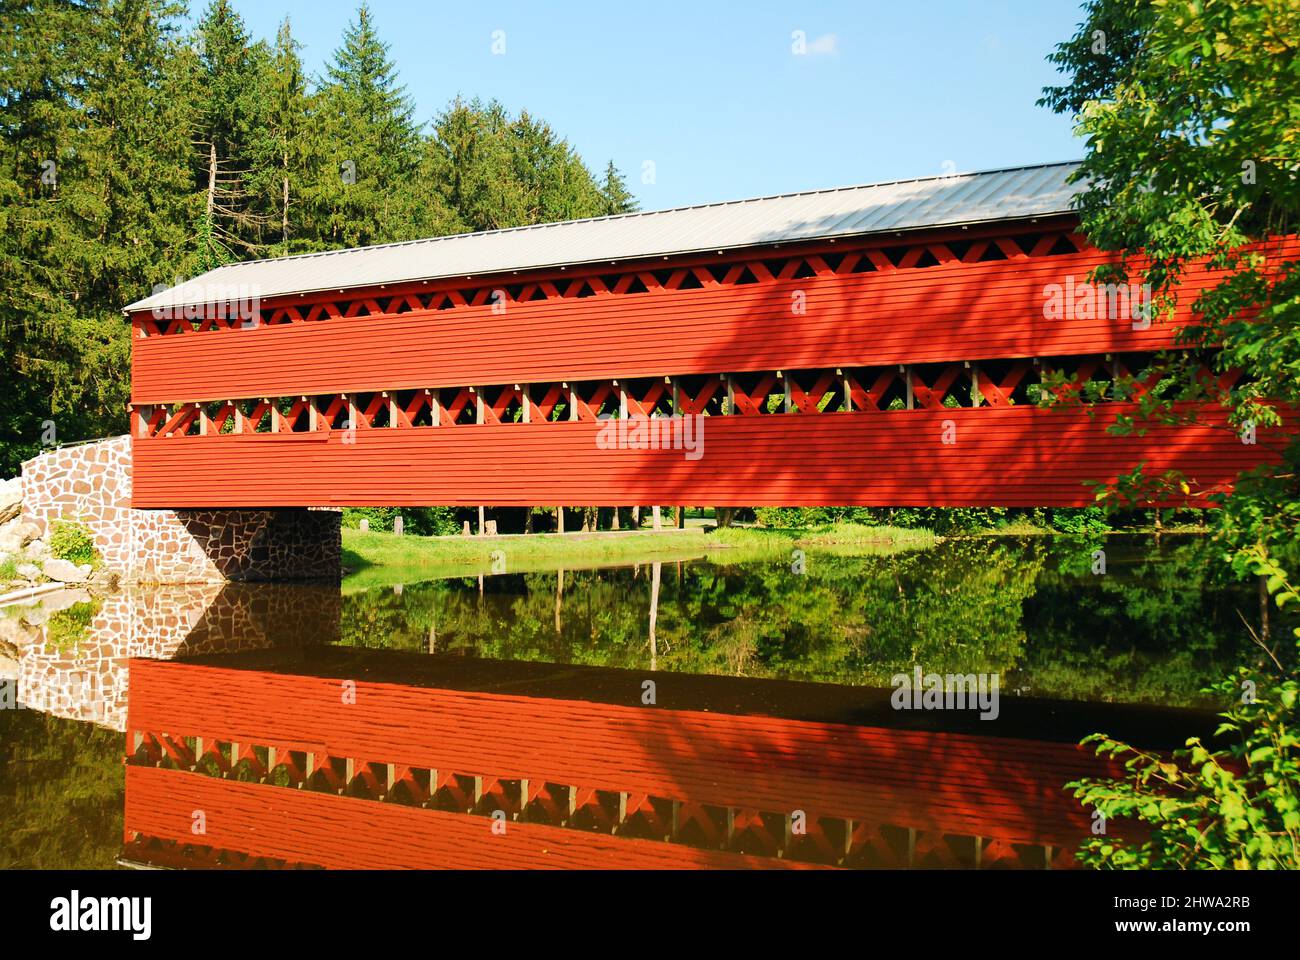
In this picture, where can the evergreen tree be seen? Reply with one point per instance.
(614, 191)
(495, 171)
(226, 90)
(93, 212)
(279, 149)
(366, 145)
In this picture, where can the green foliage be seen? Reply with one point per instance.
(851, 619)
(8, 569)
(1209, 809)
(1189, 110)
(70, 540)
(490, 171)
(614, 192)
(1086, 521)
(1190, 113)
(93, 207)
(420, 521)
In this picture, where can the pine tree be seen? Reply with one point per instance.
(227, 91)
(94, 208)
(495, 171)
(614, 192)
(279, 148)
(366, 144)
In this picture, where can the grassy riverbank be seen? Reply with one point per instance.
(376, 559)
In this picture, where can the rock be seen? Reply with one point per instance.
(17, 533)
(11, 498)
(8, 668)
(28, 571)
(36, 549)
(65, 571)
(105, 580)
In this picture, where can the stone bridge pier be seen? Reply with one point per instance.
(90, 483)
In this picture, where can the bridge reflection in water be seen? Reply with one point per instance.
(312, 755)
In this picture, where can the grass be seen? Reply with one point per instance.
(380, 559)
(861, 538)
(385, 558)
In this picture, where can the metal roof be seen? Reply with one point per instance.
(981, 197)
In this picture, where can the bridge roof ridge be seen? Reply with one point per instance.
(855, 210)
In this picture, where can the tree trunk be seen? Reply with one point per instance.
(284, 205)
(212, 177)
(654, 612)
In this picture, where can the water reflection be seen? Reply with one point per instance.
(77, 669)
(1156, 628)
(403, 727)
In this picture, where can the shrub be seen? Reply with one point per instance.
(420, 521)
(380, 518)
(71, 541)
(1213, 809)
(1080, 521)
(1208, 809)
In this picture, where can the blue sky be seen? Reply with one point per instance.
(712, 93)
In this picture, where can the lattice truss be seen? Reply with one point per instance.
(992, 383)
(839, 841)
(631, 281)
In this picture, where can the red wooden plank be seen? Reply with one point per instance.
(1008, 456)
(956, 311)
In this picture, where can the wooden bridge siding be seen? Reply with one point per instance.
(955, 311)
(941, 313)
(1010, 456)
(346, 833)
(947, 782)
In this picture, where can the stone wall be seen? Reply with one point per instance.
(91, 483)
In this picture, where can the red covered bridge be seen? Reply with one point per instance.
(876, 345)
